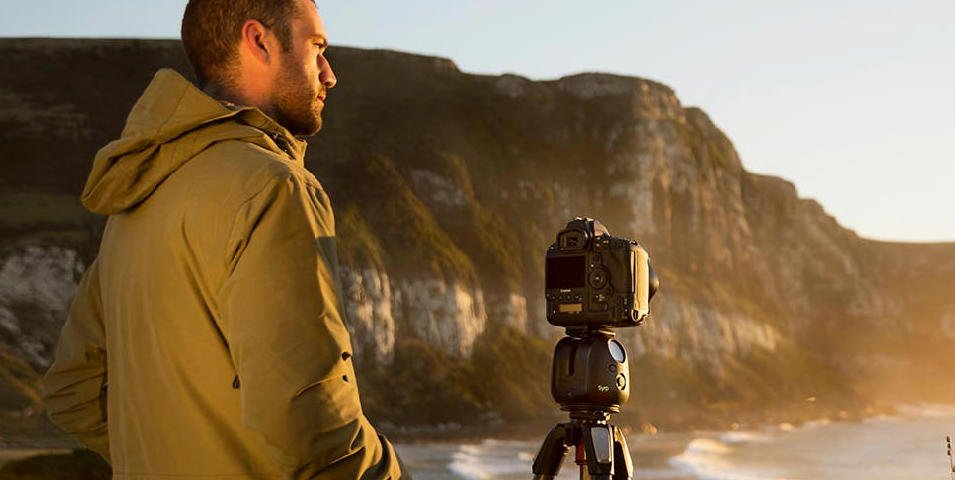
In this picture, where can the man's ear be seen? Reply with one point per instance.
(257, 42)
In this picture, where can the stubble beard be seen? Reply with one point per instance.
(296, 105)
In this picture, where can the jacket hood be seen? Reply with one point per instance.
(171, 123)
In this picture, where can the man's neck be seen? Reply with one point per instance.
(233, 100)
(224, 94)
(232, 96)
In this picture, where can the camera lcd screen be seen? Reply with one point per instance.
(566, 272)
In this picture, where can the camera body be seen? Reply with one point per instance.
(595, 280)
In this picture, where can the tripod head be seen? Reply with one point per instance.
(590, 371)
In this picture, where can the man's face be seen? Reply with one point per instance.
(304, 75)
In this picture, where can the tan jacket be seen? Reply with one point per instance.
(206, 340)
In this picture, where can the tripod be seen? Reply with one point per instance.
(590, 380)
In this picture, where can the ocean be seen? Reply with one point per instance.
(908, 445)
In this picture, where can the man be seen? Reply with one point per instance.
(206, 340)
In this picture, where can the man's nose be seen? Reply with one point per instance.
(327, 76)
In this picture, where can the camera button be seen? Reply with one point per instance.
(598, 278)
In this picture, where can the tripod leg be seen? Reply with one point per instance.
(551, 454)
(599, 443)
(623, 464)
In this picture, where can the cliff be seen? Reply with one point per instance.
(448, 187)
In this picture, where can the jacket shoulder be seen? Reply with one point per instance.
(235, 170)
(245, 165)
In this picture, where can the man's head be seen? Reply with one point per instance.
(265, 53)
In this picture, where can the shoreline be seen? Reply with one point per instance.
(538, 428)
(529, 430)
(631, 422)
(503, 450)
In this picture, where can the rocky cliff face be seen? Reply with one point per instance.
(448, 187)
(37, 285)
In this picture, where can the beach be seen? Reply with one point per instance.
(906, 445)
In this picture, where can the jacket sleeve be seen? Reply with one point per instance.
(282, 318)
(74, 388)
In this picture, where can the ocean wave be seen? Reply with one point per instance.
(786, 427)
(708, 459)
(744, 437)
(707, 446)
(496, 459)
(926, 410)
(883, 418)
(491, 459)
(822, 422)
(702, 455)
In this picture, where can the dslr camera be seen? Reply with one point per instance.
(594, 280)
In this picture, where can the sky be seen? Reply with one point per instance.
(852, 100)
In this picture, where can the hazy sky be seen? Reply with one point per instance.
(851, 100)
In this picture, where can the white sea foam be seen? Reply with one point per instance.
(926, 410)
(505, 459)
(707, 446)
(897, 447)
(883, 418)
(817, 423)
(744, 437)
(491, 459)
(709, 459)
(702, 455)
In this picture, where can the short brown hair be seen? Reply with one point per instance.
(211, 29)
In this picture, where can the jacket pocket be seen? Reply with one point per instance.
(333, 400)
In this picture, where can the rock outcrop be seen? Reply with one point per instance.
(37, 285)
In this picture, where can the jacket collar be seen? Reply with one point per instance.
(283, 139)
